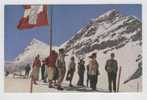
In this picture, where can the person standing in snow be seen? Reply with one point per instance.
(87, 81)
(81, 70)
(27, 70)
(93, 71)
(71, 70)
(46, 70)
(111, 68)
(60, 63)
(43, 71)
(56, 75)
(35, 69)
(51, 61)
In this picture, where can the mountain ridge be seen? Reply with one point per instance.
(100, 30)
(34, 48)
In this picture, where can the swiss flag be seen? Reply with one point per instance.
(34, 16)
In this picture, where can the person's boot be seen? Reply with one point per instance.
(87, 84)
(82, 84)
(59, 88)
(50, 84)
(55, 84)
(70, 85)
(45, 81)
(94, 88)
(35, 82)
(79, 83)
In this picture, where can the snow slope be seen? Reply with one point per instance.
(110, 32)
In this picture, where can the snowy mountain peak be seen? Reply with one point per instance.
(34, 48)
(109, 15)
(36, 41)
(110, 31)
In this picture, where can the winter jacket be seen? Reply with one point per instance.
(36, 63)
(71, 67)
(27, 68)
(51, 60)
(81, 68)
(60, 61)
(93, 67)
(111, 66)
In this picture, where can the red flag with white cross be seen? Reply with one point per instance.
(34, 16)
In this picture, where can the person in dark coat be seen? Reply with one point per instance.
(27, 70)
(61, 66)
(93, 71)
(71, 70)
(87, 81)
(81, 70)
(45, 62)
(111, 68)
(43, 71)
(56, 75)
(6, 73)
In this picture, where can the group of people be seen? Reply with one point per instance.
(53, 69)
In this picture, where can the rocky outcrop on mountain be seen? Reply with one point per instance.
(106, 32)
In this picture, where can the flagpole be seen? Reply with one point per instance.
(50, 27)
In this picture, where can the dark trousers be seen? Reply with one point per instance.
(88, 79)
(56, 74)
(112, 80)
(69, 76)
(81, 79)
(93, 81)
(27, 74)
(43, 72)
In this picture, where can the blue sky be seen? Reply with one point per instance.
(67, 20)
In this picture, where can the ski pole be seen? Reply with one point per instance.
(31, 85)
(137, 86)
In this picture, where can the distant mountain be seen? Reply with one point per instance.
(27, 56)
(34, 48)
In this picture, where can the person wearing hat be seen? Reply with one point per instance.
(93, 71)
(111, 68)
(71, 70)
(60, 64)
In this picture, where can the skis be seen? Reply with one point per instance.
(119, 75)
